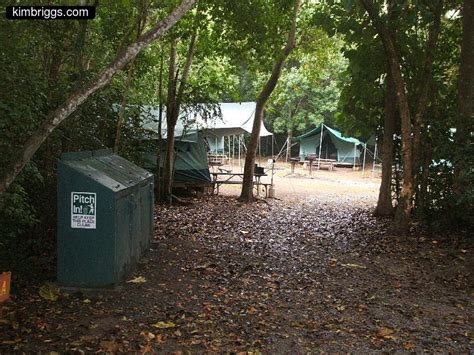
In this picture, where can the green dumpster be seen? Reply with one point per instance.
(105, 218)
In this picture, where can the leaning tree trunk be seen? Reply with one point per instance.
(246, 194)
(384, 203)
(56, 117)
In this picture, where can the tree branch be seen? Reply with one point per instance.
(75, 100)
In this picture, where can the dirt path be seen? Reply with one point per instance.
(280, 277)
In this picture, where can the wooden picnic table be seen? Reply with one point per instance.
(231, 178)
(315, 161)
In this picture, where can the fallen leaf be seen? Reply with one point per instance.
(164, 325)
(110, 346)
(148, 335)
(386, 333)
(252, 310)
(49, 291)
(160, 339)
(137, 280)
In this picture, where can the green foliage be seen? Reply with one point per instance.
(309, 88)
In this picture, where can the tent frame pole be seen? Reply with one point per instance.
(229, 146)
(354, 165)
(240, 165)
(375, 157)
(259, 144)
(363, 164)
(320, 146)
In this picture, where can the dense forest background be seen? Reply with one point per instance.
(399, 69)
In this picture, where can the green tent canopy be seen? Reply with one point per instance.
(190, 159)
(334, 145)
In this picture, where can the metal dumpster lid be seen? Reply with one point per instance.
(108, 169)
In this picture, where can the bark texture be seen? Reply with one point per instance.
(384, 203)
(246, 194)
(75, 100)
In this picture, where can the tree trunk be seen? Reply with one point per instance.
(173, 107)
(246, 194)
(464, 124)
(57, 116)
(403, 211)
(170, 126)
(384, 203)
(123, 105)
(425, 83)
(158, 186)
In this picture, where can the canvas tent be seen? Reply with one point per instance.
(193, 131)
(333, 145)
(190, 160)
(236, 119)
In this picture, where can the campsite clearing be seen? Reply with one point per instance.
(341, 183)
(310, 271)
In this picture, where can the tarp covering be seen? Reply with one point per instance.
(334, 145)
(237, 118)
(190, 160)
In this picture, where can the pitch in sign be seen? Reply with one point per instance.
(83, 210)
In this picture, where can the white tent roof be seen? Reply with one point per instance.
(237, 118)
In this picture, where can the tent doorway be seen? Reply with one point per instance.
(328, 150)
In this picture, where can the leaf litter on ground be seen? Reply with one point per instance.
(277, 277)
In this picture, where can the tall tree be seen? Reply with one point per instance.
(175, 98)
(465, 117)
(57, 116)
(249, 168)
(384, 202)
(404, 207)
